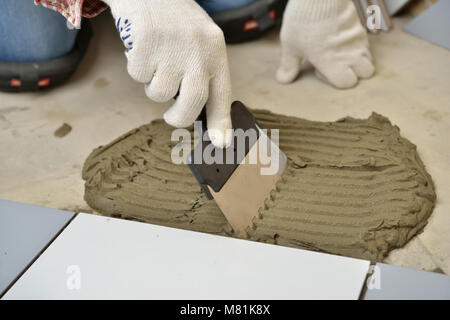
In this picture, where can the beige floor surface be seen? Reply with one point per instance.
(100, 102)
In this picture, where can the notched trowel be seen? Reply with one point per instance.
(241, 177)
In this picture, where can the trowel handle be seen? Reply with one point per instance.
(215, 175)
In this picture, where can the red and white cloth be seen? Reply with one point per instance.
(74, 10)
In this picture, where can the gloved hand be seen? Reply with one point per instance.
(329, 35)
(174, 46)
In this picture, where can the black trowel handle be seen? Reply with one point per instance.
(217, 174)
(202, 117)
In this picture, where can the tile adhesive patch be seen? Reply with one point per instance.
(352, 187)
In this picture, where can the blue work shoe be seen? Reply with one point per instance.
(37, 47)
(243, 20)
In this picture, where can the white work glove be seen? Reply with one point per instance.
(329, 35)
(174, 46)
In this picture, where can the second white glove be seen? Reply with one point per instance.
(329, 35)
(174, 47)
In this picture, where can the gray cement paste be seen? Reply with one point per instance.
(352, 187)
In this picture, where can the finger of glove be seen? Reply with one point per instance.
(218, 109)
(164, 86)
(290, 65)
(363, 67)
(140, 72)
(337, 74)
(190, 102)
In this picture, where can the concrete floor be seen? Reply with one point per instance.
(101, 102)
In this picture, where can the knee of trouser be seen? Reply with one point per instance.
(32, 33)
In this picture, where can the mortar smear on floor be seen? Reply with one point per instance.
(352, 187)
